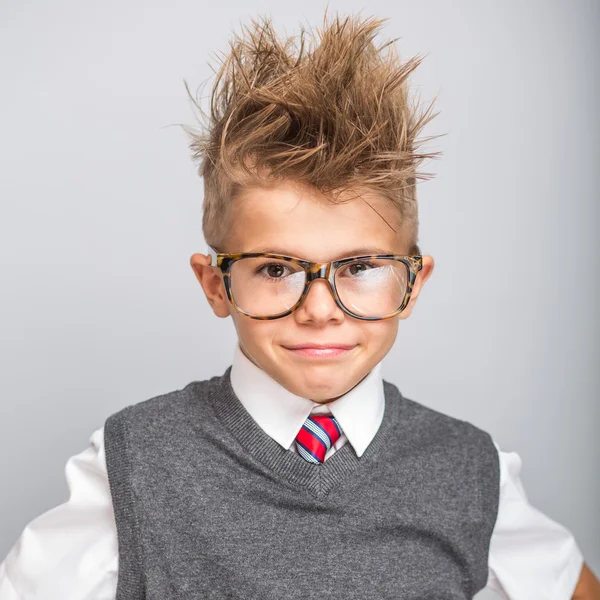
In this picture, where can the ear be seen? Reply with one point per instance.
(211, 280)
(422, 276)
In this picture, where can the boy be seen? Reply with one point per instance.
(300, 472)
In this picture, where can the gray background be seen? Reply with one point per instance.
(101, 210)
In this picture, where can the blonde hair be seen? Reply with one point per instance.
(336, 116)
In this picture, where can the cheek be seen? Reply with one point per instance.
(381, 334)
(255, 333)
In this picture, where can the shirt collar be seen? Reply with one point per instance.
(281, 414)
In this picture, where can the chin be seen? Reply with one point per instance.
(319, 387)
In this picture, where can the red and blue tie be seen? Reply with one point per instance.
(316, 436)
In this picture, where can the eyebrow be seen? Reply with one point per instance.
(365, 250)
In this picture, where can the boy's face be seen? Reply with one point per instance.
(297, 221)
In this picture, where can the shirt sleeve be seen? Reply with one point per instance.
(69, 552)
(530, 555)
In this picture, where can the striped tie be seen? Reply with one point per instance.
(316, 436)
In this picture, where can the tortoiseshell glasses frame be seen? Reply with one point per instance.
(315, 270)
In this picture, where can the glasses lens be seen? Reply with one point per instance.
(373, 287)
(265, 287)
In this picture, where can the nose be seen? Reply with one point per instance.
(319, 302)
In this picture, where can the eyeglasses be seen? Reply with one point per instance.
(269, 286)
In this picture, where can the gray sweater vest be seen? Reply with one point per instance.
(208, 506)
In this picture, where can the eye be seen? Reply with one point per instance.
(356, 268)
(271, 270)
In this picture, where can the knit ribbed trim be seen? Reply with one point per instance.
(319, 479)
(131, 581)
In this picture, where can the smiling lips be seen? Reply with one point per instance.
(321, 346)
(320, 350)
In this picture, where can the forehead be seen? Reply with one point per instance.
(300, 221)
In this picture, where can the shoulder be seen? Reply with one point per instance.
(162, 408)
(424, 429)
(434, 423)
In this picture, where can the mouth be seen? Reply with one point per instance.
(320, 350)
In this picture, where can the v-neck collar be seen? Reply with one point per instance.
(319, 479)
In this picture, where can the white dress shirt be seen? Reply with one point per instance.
(70, 552)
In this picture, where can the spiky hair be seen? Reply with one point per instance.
(336, 115)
